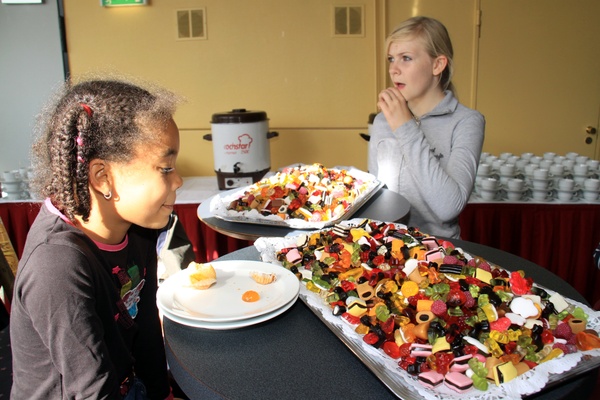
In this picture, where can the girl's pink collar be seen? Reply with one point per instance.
(101, 246)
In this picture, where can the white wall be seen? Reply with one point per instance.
(31, 68)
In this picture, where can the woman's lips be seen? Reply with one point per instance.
(400, 85)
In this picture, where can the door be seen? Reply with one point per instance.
(539, 75)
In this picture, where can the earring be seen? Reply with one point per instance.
(108, 195)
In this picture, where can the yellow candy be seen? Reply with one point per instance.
(362, 329)
(440, 344)
(357, 233)
(494, 347)
(500, 337)
(513, 336)
(554, 353)
(409, 288)
(490, 312)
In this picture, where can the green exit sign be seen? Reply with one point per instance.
(116, 3)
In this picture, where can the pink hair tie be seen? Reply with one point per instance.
(80, 159)
(87, 109)
(79, 140)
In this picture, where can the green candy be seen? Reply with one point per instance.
(580, 314)
(478, 367)
(480, 383)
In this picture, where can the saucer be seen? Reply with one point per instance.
(497, 196)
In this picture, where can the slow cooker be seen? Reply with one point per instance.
(240, 146)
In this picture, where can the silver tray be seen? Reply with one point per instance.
(396, 379)
(218, 202)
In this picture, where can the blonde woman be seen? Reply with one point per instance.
(425, 145)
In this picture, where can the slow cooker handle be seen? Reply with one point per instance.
(272, 134)
(208, 137)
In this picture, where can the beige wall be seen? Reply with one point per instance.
(270, 55)
(279, 56)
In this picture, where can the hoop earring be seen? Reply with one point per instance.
(108, 196)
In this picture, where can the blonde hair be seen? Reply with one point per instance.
(436, 39)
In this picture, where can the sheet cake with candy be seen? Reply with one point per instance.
(300, 196)
(432, 320)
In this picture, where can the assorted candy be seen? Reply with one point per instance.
(307, 192)
(447, 317)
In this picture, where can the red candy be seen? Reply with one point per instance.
(351, 319)
(547, 337)
(391, 349)
(518, 284)
(500, 324)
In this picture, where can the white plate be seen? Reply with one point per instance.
(228, 325)
(223, 302)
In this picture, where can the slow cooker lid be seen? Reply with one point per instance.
(238, 116)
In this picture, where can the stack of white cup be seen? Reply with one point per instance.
(546, 177)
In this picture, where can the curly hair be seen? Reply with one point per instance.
(97, 119)
(436, 39)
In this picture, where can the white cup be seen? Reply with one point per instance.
(516, 184)
(568, 164)
(559, 159)
(541, 194)
(549, 155)
(590, 195)
(484, 155)
(12, 187)
(581, 159)
(490, 159)
(527, 156)
(515, 195)
(566, 184)
(593, 164)
(580, 169)
(521, 163)
(489, 184)
(535, 160)
(591, 184)
(504, 156)
(488, 195)
(513, 159)
(540, 173)
(484, 169)
(530, 169)
(557, 169)
(571, 155)
(508, 169)
(541, 184)
(546, 164)
(566, 195)
(10, 176)
(497, 164)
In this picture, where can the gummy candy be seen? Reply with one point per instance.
(586, 341)
(479, 374)
(518, 284)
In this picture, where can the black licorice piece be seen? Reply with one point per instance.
(338, 310)
(451, 269)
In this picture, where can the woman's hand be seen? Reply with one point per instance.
(394, 106)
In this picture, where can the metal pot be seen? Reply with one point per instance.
(240, 146)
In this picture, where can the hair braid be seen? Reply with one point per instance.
(97, 119)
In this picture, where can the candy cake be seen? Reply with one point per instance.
(311, 194)
(445, 318)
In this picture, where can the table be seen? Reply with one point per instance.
(385, 205)
(295, 356)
